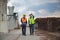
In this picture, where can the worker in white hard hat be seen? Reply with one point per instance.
(31, 23)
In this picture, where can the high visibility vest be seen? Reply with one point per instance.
(23, 19)
(31, 21)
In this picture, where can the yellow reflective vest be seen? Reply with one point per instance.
(31, 21)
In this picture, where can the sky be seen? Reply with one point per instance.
(39, 8)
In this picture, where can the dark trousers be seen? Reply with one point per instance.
(31, 29)
(24, 28)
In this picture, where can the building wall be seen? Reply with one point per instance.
(3, 16)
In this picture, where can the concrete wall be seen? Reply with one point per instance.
(3, 16)
(51, 24)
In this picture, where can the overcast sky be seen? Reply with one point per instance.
(40, 8)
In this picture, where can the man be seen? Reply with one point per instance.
(24, 22)
(31, 24)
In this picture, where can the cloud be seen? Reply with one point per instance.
(22, 6)
(16, 2)
(9, 4)
(22, 9)
(30, 2)
(42, 11)
(45, 13)
(38, 2)
(33, 12)
(57, 14)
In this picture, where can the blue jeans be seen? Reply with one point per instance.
(31, 29)
(24, 28)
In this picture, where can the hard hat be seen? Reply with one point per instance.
(30, 14)
(24, 14)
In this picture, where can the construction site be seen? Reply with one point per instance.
(45, 28)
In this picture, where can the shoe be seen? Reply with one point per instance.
(24, 34)
(32, 34)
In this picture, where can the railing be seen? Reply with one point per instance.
(14, 16)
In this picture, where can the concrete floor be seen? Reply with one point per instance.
(17, 35)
